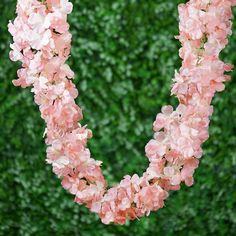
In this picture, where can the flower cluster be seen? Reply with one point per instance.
(42, 43)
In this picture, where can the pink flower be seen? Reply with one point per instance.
(150, 198)
(188, 170)
(191, 21)
(155, 149)
(163, 119)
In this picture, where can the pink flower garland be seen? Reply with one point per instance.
(42, 42)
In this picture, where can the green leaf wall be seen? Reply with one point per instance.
(124, 55)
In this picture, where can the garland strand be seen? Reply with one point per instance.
(42, 43)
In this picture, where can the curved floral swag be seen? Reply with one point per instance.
(42, 43)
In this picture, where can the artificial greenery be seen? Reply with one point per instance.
(124, 54)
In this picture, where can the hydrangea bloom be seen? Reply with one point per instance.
(42, 43)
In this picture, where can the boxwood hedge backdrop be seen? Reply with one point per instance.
(124, 54)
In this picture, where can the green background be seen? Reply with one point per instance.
(124, 55)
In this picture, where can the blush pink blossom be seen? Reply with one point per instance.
(42, 43)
